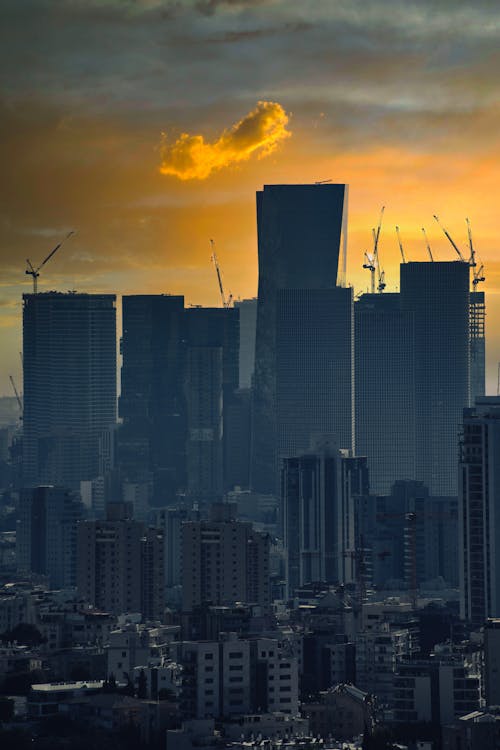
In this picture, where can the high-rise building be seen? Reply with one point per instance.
(318, 490)
(46, 534)
(300, 230)
(438, 296)
(120, 564)
(224, 561)
(152, 437)
(478, 512)
(314, 368)
(69, 358)
(211, 377)
(385, 389)
(248, 325)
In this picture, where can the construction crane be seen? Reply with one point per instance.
(372, 260)
(427, 244)
(225, 302)
(35, 272)
(455, 246)
(478, 276)
(472, 257)
(18, 398)
(371, 267)
(400, 245)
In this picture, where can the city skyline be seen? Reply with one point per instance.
(397, 102)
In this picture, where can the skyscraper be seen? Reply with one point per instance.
(477, 345)
(438, 296)
(385, 389)
(318, 489)
(248, 324)
(47, 532)
(69, 347)
(314, 368)
(300, 230)
(152, 438)
(479, 511)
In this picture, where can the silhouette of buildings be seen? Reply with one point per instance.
(299, 230)
(46, 534)
(69, 362)
(479, 527)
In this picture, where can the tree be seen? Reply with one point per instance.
(25, 634)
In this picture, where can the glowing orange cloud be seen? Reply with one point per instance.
(192, 158)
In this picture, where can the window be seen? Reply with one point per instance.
(236, 654)
(209, 656)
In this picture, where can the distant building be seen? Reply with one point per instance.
(248, 325)
(314, 368)
(385, 389)
(151, 439)
(477, 345)
(343, 712)
(492, 661)
(120, 564)
(300, 229)
(47, 534)
(224, 561)
(69, 364)
(479, 523)
(318, 490)
(438, 296)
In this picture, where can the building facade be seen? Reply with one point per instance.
(300, 229)
(69, 364)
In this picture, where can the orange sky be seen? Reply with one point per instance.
(399, 102)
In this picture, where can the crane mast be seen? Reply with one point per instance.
(18, 398)
(447, 235)
(35, 272)
(225, 302)
(427, 244)
(400, 245)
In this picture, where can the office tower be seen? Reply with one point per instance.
(204, 399)
(477, 345)
(318, 491)
(152, 437)
(478, 511)
(248, 325)
(299, 231)
(170, 521)
(314, 368)
(211, 378)
(385, 389)
(224, 561)
(120, 564)
(69, 355)
(46, 534)
(237, 423)
(438, 296)
(492, 661)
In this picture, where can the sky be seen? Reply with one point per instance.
(148, 125)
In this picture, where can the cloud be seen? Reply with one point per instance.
(192, 158)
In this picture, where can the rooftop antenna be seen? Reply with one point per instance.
(35, 272)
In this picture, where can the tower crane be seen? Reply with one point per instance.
(369, 264)
(400, 245)
(18, 398)
(455, 246)
(472, 258)
(35, 272)
(372, 260)
(225, 302)
(427, 244)
(478, 276)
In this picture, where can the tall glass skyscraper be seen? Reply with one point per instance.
(69, 347)
(438, 296)
(300, 229)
